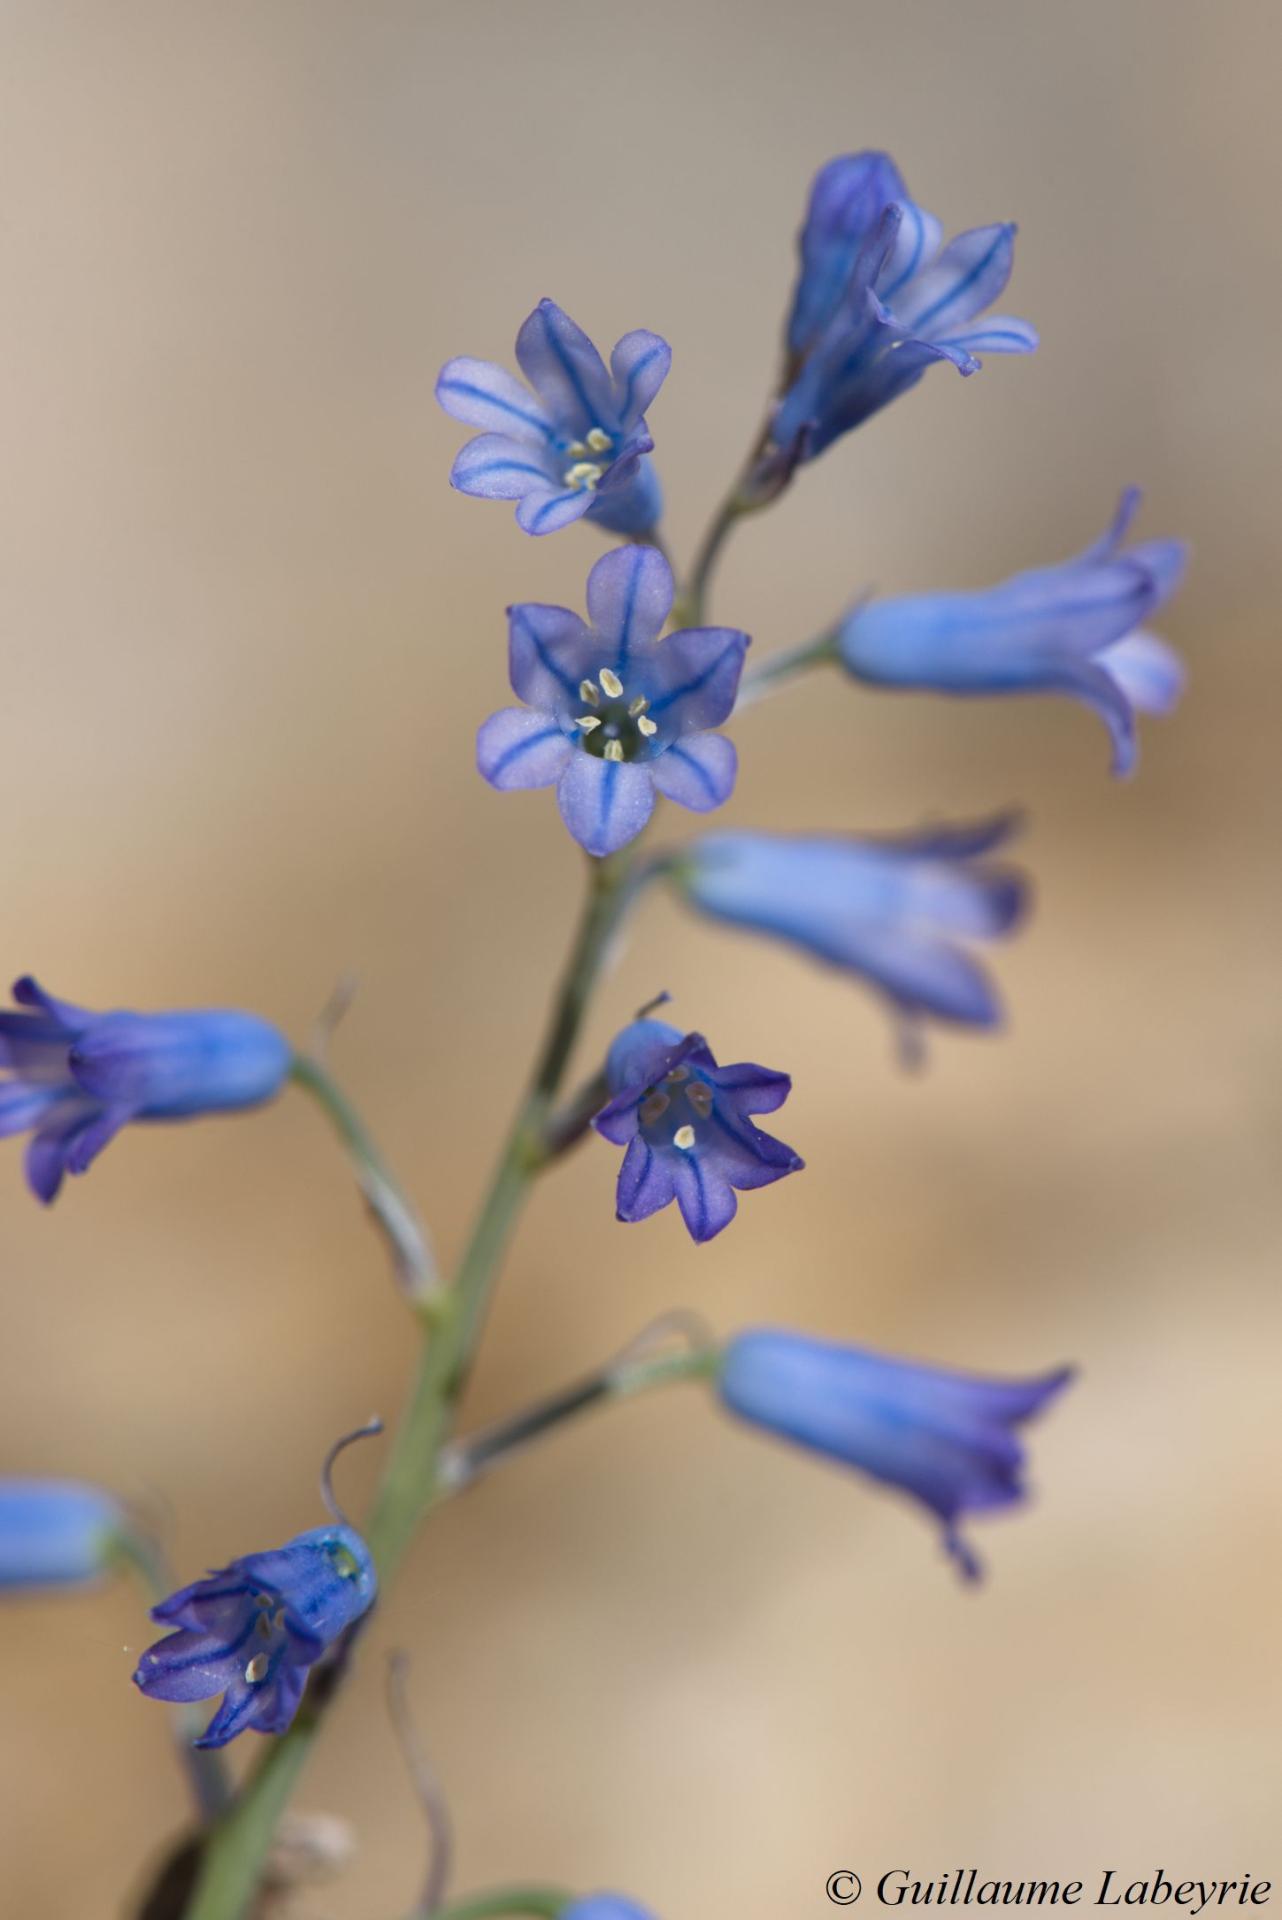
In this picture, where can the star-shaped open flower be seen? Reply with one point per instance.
(686, 1125)
(613, 714)
(576, 445)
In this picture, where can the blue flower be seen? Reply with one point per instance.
(73, 1079)
(878, 301)
(253, 1629)
(612, 712)
(578, 447)
(605, 1906)
(946, 1438)
(685, 1123)
(1071, 629)
(55, 1533)
(896, 910)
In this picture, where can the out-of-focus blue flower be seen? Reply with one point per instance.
(685, 1123)
(1071, 629)
(605, 1906)
(947, 1438)
(878, 301)
(899, 911)
(574, 446)
(613, 713)
(55, 1533)
(73, 1079)
(251, 1630)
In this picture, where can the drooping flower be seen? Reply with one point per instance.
(685, 1123)
(613, 713)
(574, 446)
(73, 1079)
(947, 1438)
(1073, 629)
(55, 1533)
(899, 911)
(251, 1630)
(878, 301)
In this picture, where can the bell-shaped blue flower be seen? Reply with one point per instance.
(878, 301)
(686, 1125)
(613, 714)
(901, 912)
(73, 1079)
(576, 445)
(947, 1438)
(253, 1629)
(55, 1533)
(1074, 629)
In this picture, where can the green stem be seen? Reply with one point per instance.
(399, 1223)
(689, 609)
(232, 1863)
(788, 665)
(537, 1903)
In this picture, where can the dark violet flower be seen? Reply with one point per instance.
(574, 446)
(1073, 629)
(612, 712)
(899, 911)
(252, 1630)
(878, 301)
(685, 1123)
(55, 1533)
(946, 1438)
(73, 1079)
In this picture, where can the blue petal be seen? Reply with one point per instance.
(916, 244)
(697, 771)
(566, 371)
(640, 1055)
(54, 1532)
(847, 199)
(493, 399)
(630, 594)
(704, 1195)
(639, 366)
(631, 509)
(548, 509)
(519, 750)
(695, 676)
(62, 1013)
(964, 279)
(550, 653)
(496, 467)
(1150, 674)
(752, 1089)
(999, 333)
(170, 1065)
(646, 1183)
(604, 803)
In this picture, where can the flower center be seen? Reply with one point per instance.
(615, 727)
(584, 472)
(671, 1114)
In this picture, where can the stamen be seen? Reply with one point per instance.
(599, 441)
(588, 692)
(639, 705)
(576, 450)
(256, 1671)
(683, 1138)
(614, 750)
(700, 1097)
(587, 721)
(610, 683)
(264, 1626)
(678, 1073)
(646, 725)
(653, 1107)
(584, 473)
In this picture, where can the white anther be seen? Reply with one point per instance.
(588, 692)
(587, 721)
(614, 750)
(256, 1671)
(638, 705)
(611, 683)
(584, 473)
(576, 450)
(599, 441)
(678, 1074)
(683, 1138)
(646, 725)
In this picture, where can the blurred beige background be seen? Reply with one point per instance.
(248, 634)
